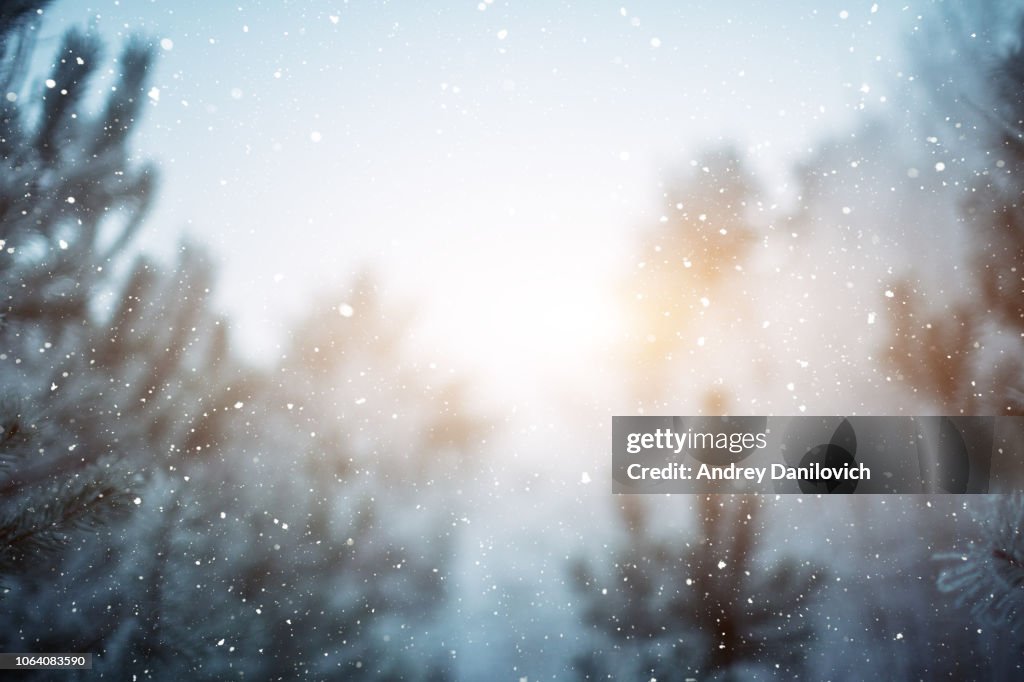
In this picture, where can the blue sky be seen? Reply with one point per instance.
(491, 162)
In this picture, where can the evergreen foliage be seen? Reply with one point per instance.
(163, 505)
(988, 576)
(967, 357)
(710, 607)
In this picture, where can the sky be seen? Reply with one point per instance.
(491, 163)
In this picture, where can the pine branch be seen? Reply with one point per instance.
(42, 528)
(988, 577)
(16, 40)
(14, 435)
(79, 57)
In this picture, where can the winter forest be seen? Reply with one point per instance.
(310, 345)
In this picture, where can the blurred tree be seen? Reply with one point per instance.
(967, 356)
(336, 534)
(710, 607)
(690, 282)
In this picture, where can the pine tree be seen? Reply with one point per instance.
(690, 282)
(708, 607)
(200, 518)
(967, 355)
(62, 175)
